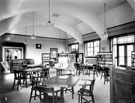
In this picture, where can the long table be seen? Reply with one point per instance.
(62, 82)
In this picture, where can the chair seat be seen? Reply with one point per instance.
(49, 99)
(85, 92)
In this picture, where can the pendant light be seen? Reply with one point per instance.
(75, 32)
(59, 36)
(33, 36)
(105, 29)
(49, 24)
(25, 42)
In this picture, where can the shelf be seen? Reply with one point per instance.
(133, 58)
(45, 58)
(105, 59)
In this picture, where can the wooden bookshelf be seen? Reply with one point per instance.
(105, 59)
(45, 58)
(133, 59)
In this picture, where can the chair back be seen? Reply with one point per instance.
(92, 85)
(17, 74)
(5, 65)
(34, 81)
(45, 89)
(106, 71)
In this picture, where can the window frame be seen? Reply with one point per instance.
(93, 47)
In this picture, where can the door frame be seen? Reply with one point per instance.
(125, 53)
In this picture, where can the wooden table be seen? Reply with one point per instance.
(37, 72)
(59, 71)
(62, 81)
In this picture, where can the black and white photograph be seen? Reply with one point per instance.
(67, 51)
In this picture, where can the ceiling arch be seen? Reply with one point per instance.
(57, 6)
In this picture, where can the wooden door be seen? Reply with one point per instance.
(122, 86)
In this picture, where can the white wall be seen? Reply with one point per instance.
(119, 15)
(33, 53)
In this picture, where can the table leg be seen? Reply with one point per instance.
(62, 95)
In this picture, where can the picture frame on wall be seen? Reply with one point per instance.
(38, 46)
(54, 53)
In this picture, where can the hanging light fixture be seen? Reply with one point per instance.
(59, 36)
(25, 42)
(75, 32)
(33, 36)
(105, 29)
(49, 24)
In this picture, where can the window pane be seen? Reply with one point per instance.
(121, 40)
(121, 50)
(129, 39)
(92, 48)
(114, 41)
(121, 60)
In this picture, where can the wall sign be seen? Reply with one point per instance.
(38, 46)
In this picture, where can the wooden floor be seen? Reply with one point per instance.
(101, 91)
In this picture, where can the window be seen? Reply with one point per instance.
(74, 48)
(92, 48)
(122, 48)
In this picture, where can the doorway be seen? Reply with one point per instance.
(124, 54)
(11, 53)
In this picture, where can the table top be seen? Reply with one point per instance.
(38, 69)
(62, 81)
(60, 68)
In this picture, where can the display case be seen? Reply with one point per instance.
(45, 58)
(133, 59)
(76, 57)
(105, 59)
(63, 59)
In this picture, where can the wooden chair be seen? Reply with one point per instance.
(44, 74)
(34, 83)
(84, 93)
(18, 77)
(70, 89)
(49, 94)
(79, 69)
(106, 74)
(41, 90)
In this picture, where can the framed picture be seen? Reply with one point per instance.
(53, 53)
(38, 46)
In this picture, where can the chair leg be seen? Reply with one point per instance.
(30, 95)
(53, 98)
(18, 84)
(72, 92)
(93, 99)
(78, 98)
(81, 99)
(13, 85)
(35, 94)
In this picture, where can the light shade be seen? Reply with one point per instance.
(33, 37)
(50, 25)
(25, 42)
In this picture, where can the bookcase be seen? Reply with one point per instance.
(105, 59)
(133, 59)
(45, 58)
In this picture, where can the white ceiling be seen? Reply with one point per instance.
(16, 15)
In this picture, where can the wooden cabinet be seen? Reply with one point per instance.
(45, 58)
(122, 86)
(20, 64)
(133, 59)
(76, 57)
(105, 59)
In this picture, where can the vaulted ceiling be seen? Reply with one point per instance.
(71, 18)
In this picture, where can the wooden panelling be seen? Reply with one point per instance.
(122, 86)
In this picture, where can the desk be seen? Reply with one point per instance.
(59, 71)
(57, 81)
(39, 70)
